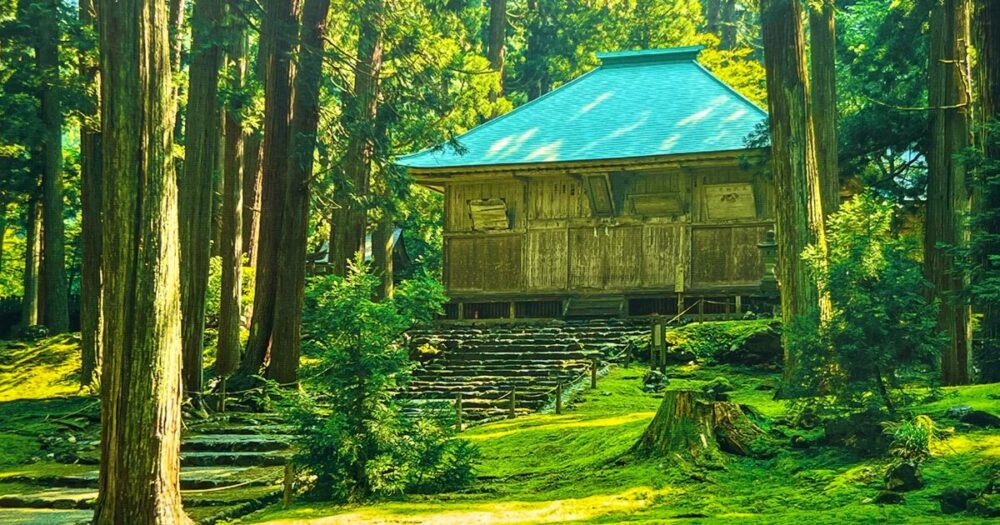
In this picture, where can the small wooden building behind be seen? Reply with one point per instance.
(624, 192)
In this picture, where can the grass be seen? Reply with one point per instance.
(548, 468)
(574, 467)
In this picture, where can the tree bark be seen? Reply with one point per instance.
(195, 186)
(496, 45)
(349, 223)
(176, 27)
(947, 194)
(987, 38)
(3, 231)
(231, 245)
(141, 374)
(278, 36)
(253, 152)
(56, 305)
(90, 200)
(822, 40)
(799, 217)
(32, 263)
(382, 254)
(720, 20)
(697, 428)
(287, 337)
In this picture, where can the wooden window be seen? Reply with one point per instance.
(489, 214)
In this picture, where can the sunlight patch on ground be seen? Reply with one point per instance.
(502, 513)
(40, 370)
(569, 422)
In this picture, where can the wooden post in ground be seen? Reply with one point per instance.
(559, 397)
(288, 482)
(593, 373)
(628, 355)
(222, 395)
(513, 402)
(458, 412)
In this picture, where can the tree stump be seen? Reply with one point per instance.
(693, 425)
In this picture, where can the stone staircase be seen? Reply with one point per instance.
(231, 465)
(483, 363)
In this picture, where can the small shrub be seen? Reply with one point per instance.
(880, 323)
(354, 435)
(911, 439)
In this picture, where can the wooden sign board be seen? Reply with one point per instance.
(730, 201)
(489, 214)
(656, 204)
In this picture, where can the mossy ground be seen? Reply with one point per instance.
(548, 468)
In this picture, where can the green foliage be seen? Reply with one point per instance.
(911, 439)
(213, 292)
(881, 322)
(714, 340)
(355, 437)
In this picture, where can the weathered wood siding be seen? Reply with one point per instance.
(672, 229)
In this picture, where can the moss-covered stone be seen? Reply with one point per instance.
(752, 342)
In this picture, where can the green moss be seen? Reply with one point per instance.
(548, 468)
(713, 340)
(40, 370)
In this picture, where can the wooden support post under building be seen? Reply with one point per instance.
(288, 482)
(593, 373)
(559, 397)
(739, 306)
(513, 402)
(458, 412)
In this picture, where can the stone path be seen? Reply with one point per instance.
(232, 464)
(484, 362)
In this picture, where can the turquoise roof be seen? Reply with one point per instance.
(636, 104)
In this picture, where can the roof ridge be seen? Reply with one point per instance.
(647, 56)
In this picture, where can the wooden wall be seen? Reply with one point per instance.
(673, 230)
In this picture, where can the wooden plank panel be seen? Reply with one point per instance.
(499, 263)
(556, 198)
(624, 258)
(460, 258)
(587, 253)
(546, 260)
(486, 263)
(733, 201)
(726, 256)
(662, 249)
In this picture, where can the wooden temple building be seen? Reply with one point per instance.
(625, 192)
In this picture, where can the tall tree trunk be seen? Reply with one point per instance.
(90, 200)
(538, 81)
(287, 337)
(32, 263)
(278, 36)
(497, 41)
(196, 183)
(822, 40)
(218, 185)
(350, 217)
(253, 153)
(231, 245)
(947, 195)
(987, 39)
(56, 305)
(720, 20)
(3, 231)
(796, 179)
(140, 379)
(176, 28)
(382, 245)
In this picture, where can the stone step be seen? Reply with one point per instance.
(40, 497)
(25, 516)
(238, 459)
(526, 357)
(235, 443)
(214, 427)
